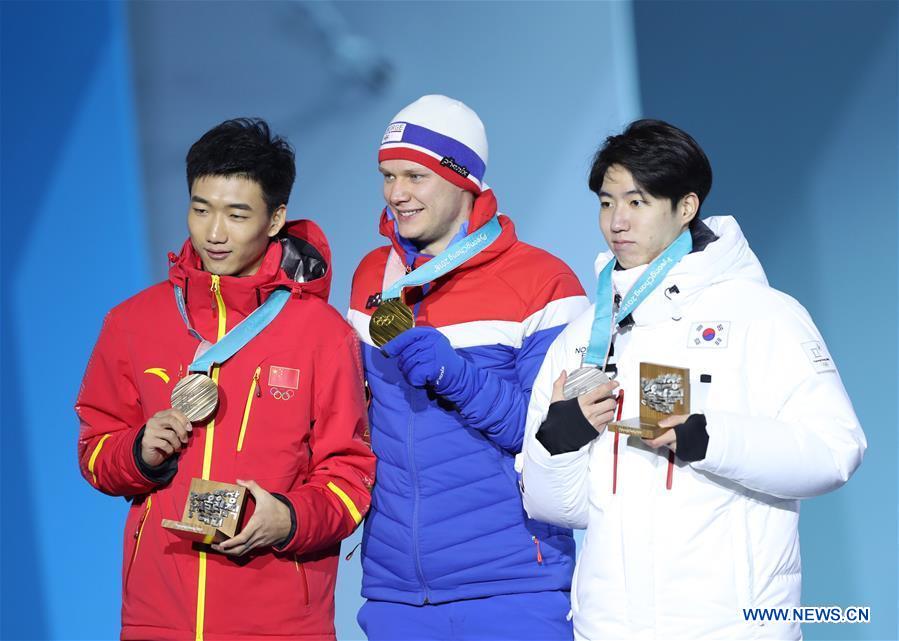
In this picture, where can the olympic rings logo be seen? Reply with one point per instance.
(281, 395)
(385, 320)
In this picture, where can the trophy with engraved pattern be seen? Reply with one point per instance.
(664, 391)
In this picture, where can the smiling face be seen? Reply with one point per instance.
(229, 224)
(636, 225)
(428, 209)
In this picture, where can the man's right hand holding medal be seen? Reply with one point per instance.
(597, 405)
(166, 433)
(570, 424)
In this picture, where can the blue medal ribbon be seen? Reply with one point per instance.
(447, 260)
(241, 334)
(604, 318)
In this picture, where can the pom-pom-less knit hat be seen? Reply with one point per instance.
(442, 134)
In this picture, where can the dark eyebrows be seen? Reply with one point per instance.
(203, 201)
(632, 192)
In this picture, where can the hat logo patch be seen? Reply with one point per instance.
(450, 162)
(394, 132)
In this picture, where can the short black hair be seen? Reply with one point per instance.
(245, 147)
(664, 160)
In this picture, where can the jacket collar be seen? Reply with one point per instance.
(724, 259)
(484, 208)
(300, 251)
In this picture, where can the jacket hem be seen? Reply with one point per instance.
(143, 632)
(472, 591)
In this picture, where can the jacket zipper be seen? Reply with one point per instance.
(219, 304)
(254, 393)
(304, 580)
(137, 534)
(416, 499)
(416, 551)
(539, 554)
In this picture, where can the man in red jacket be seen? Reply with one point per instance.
(290, 423)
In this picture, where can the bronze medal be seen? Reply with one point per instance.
(196, 396)
(391, 318)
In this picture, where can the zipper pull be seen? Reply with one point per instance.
(539, 554)
(215, 289)
(352, 552)
(256, 380)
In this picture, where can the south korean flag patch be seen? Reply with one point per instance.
(708, 334)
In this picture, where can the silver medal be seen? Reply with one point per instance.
(583, 380)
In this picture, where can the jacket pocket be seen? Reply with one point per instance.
(138, 532)
(304, 580)
(254, 393)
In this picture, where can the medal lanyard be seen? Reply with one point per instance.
(241, 334)
(447, 260)
(605, 320)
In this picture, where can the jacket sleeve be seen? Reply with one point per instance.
(336, 495)
(111, 417)
(802, 438)
(555, 486)
(497, 406)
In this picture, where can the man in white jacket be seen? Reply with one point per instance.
(686, 531)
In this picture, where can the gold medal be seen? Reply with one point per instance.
(392, 318)
(196, 396)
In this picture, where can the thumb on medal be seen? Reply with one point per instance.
(558, 386)
(411, 336)
(396, 345)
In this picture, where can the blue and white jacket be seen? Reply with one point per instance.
(446, 520)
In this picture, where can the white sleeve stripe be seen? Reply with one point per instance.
(359, 321)
(558, 312)
(487, 332)
(494, 332)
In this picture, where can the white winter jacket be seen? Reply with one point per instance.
(682, 563)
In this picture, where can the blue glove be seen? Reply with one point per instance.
(488, 403)
(426, 359)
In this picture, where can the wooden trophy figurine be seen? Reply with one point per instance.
(213, 512)
(664, 391)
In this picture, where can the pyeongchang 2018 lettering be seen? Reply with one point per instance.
(809, 614)
(650, 279)
(466, 247)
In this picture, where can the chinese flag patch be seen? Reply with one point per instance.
(285, 377)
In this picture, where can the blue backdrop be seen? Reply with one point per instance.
(796, 104)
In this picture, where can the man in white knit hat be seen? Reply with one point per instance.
(455, 314)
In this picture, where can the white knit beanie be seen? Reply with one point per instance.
(442, 134)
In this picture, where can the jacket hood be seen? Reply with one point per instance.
(727, 258)
(299, 258)
(484, 208)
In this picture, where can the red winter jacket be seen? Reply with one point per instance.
(291, 416)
